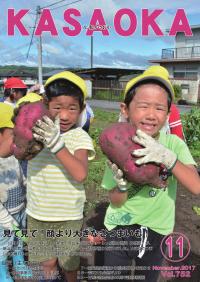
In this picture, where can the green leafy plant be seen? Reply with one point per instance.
(191, 127)
(177, 92)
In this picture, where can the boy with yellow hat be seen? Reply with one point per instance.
(55, 188)
(30, 97)
(12, 201)
(144, 209)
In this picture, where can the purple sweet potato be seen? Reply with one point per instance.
(24, 146)
(116, 143)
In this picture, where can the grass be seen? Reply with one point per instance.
(94, 192)
(109, 95)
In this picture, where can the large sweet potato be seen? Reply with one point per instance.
(25, 147)
(116, 143)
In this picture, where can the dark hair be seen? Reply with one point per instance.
(131, 93)
(2, 129)
(9, 92)
(64, 87)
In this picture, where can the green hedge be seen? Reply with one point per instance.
(191, 127)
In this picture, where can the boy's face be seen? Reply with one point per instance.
(17, 95)
(68, 109)
(148, 109)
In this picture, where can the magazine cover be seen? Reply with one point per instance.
(99, 141)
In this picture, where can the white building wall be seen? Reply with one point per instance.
(89, 88)
(188, 41)
(180, 40)
(190, 94)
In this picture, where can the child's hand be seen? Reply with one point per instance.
(153, 151)
(118, 176)
(117, 198)
(9, 225)
(48, 132)
(6, 219)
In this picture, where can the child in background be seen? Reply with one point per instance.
(56, 195)
(86, 118)
(12, 203)
(37, 88)
(146, 209)
(30, 97)
(14, 89)
(175, 124)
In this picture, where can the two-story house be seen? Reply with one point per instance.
(183, 64)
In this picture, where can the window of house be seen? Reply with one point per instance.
(185, 86)
(185, 89)
(179, 74)
(185, 72)
(191, 41)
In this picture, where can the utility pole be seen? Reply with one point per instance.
(40, 79)
(91, 53)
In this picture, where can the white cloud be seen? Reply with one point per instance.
(122, 59)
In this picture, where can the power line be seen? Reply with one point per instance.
(13, 49)
(55, 3)
(31, 41)
(18, 57)
(66, 5)
(31, 13)
(37, 14)
(13, 56)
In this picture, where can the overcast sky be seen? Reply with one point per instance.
(74, 51)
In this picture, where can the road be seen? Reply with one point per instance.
(110, 105)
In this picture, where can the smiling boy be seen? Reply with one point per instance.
(56, 194)
(146, 209)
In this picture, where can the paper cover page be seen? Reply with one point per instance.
(154, 234)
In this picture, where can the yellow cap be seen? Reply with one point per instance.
(70, 76)
(6, 115)
(156, 73)
(29, 97)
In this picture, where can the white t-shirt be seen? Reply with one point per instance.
(52, 193)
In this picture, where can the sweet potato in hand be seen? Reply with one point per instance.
(24, 146)
(117, 144)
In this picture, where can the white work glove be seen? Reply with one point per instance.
(48, 132)
(153, 151)
(118, 176)
(6, 220)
